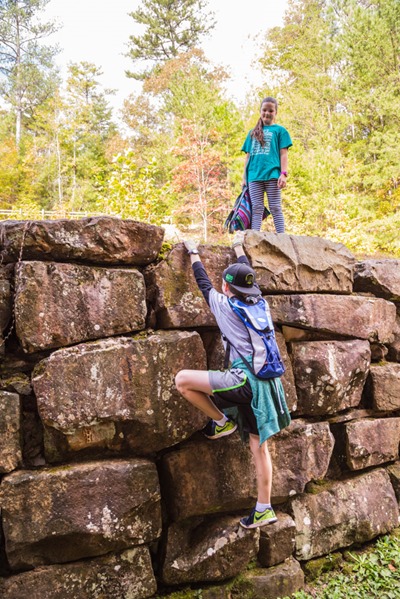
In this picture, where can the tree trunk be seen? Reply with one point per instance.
(18, 117)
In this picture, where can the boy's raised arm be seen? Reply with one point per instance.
(200, 274)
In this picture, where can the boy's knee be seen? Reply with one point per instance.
(180, 380)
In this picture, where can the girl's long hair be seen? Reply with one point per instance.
(257, 132)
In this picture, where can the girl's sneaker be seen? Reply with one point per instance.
(212, 430)
(259, 518)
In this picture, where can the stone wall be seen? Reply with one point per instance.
(107, 487)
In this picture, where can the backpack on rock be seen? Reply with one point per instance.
(239, 218)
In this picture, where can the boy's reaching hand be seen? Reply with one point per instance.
(238, 239)
(191, 246)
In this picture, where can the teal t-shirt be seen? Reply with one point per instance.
(265, 161)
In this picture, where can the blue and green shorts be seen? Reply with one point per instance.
(232, 388)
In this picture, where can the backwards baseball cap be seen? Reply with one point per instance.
(241, 278)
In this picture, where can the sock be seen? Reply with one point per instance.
(222, 421)
(261, 507)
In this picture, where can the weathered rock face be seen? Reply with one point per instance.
(277, 541)
(378, 352)
(394, 473)
(289, 263)
(5, 299)
(287, 378)
(346, 512)
(100, 240)
(5, 305)
(330, 375)
(10, 431)
(128, 397)
(176, 299)
(384, 386)
(300, 453)
(109, 412)
(274, 583)
(380, 277)
(207, 551)
(60, 304)
(372, 442)
(17, 382)
(213, 489)
(347, 316)
(214, 348)
(83, 510)
(394, 345)
(128, 574)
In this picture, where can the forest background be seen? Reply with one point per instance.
(174, 156)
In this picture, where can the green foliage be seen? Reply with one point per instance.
(334, 68)
(132, 192)
(364, 574)
(29, 75)
(195, 134)
(171, 27)
(87, 126)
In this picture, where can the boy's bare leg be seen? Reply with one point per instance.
(263, 465)
(194, 385)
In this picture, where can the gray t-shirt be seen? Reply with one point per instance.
(230, 325)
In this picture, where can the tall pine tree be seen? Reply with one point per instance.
(25, 63)
(171, 27)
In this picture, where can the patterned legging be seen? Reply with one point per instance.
(257, 190)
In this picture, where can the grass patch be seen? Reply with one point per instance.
(371, 573)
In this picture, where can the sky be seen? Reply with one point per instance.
(98, 31)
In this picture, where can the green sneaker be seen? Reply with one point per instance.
(213, 431)
(259, 518)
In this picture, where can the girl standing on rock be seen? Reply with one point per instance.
(266, 165)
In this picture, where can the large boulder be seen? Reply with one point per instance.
(10, 431)
(341, 513)
(207, 551)
(120, 576)
(5, 299)
(175, 297)
(81, 510)
(100, 240)
(300, 453)
(341, 315)
(394, 344)
(288, 263)
(120, 393)
(384, 386)
(287, 378)
(61, 304)
(394, 473)
(329, 375)
(371, 442)
(271, 583)
(222, 480)
(380, 277)
(5, 304)
(277, 541)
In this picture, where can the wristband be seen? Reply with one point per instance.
(284, 173)
(193, 251)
